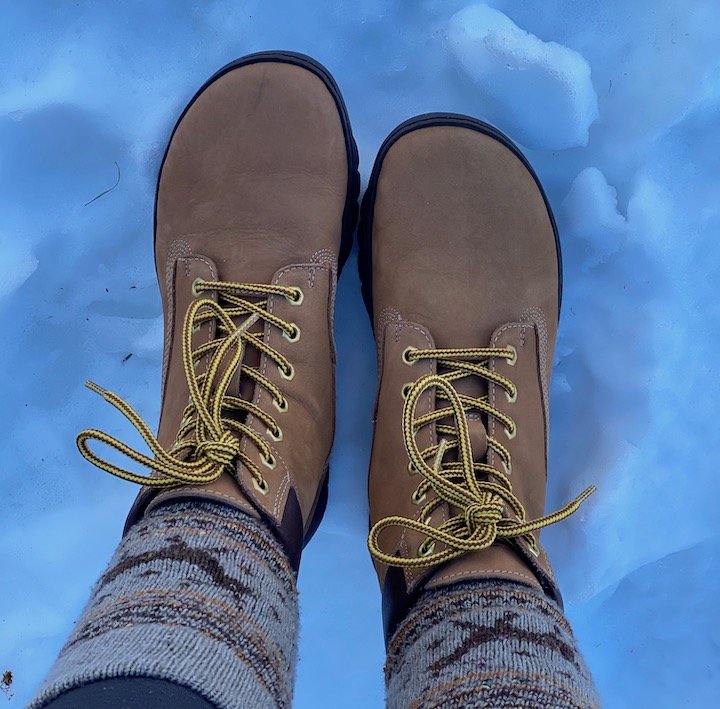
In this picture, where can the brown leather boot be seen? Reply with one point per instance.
(256, 205)
(460, 266)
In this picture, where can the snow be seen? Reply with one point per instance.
(512, 67)
(617, 106)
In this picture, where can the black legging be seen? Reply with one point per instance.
(131, 693)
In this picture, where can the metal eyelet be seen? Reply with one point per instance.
(281, 405)
(511, 361)
(405, 357)
(299, 297)
(293, 335)
(511, 434)
(418, 499)
(411, 468)
(195, 284)
(506, 467)
(534, 550)
(269, 461)
(426, 548)
(287, 375)
(262, 487)
(512, 398)
(275, 435)
(406, 390)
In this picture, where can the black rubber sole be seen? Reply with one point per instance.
(351, 208)
(428, 120)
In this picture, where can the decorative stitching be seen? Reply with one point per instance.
(178, 248)
(530, 312)
(492, 388)
(288, 478)
(387, 316)
(281, 493)
(537, 317)
(465, 574)
(400, 326)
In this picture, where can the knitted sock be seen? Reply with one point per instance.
(486, 644)
(198, 594)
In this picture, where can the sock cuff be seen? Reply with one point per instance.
(471, 596)
(198, 594)
(486, 643)
(201, 519)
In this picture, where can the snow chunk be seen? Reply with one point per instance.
(540, 91)
(590, 213)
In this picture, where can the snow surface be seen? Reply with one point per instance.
(617, 105)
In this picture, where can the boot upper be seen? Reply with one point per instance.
(252, 205)
(464, 264)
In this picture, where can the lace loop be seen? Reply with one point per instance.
(216, 444)
(480, 492)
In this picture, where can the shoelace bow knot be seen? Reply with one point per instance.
(209, 441)
(482, 493)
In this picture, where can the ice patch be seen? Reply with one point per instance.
(540, 91)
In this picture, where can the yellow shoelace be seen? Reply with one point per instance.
(481, 492)
(214, 445)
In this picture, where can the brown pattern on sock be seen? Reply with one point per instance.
(225, 622)
(486, 644)
(198, 594)
(179, 551)
(504, 628)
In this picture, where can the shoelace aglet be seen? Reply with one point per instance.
(97, 388)
(591, 489)
(574, 505)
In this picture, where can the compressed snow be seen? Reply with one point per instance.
(19, 264)
(617, 105)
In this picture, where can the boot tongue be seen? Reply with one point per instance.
(478, 439)
(244, 386)
(473, 387)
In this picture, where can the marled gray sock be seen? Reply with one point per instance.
(196, 593)
(486, 644)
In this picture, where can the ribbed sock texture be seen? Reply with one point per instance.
(198, 594)
(486, 644)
